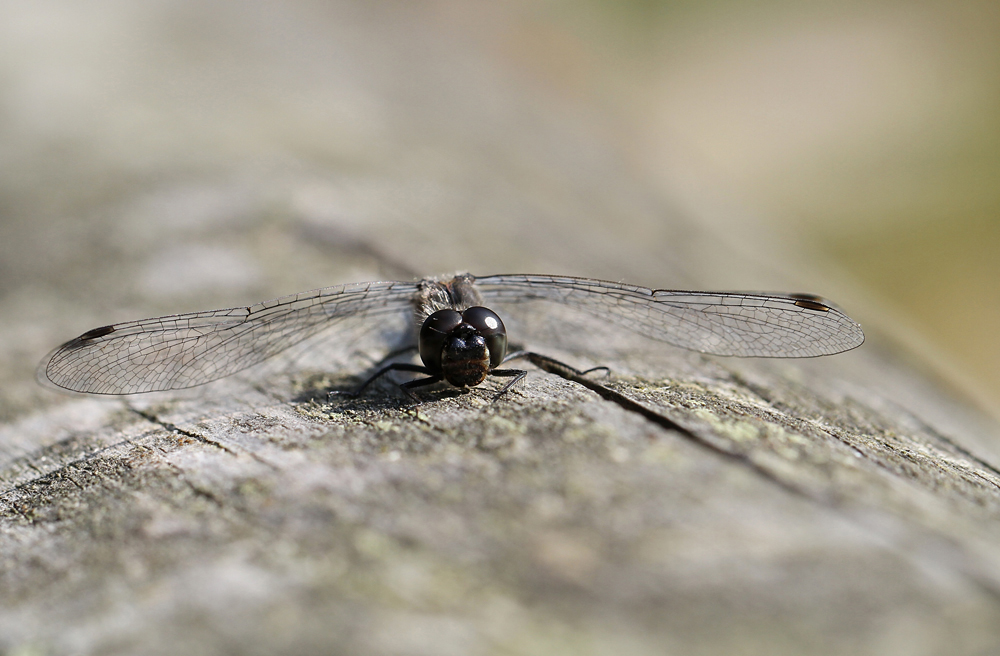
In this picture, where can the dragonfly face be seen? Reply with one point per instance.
(463, 347)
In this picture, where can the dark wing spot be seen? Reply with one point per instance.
(96, 332)
(810, 302)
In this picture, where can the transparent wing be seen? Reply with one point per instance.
(721, 323)
(184, 350)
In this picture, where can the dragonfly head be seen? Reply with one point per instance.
(463, 346)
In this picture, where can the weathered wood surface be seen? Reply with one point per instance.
(844, 505)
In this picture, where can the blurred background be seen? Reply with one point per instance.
(868, 130)
(858, 139)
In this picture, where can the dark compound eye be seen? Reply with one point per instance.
(443, 321)
(488, 324)
(433, 333)
(486, 321)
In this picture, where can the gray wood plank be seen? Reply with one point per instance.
(843, 505)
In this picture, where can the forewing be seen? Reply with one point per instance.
(721, 323)
(184, 350)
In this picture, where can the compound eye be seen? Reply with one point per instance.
(432, 335)
(488, 324)
(485, 321)
(443, 321)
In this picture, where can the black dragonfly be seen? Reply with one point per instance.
(460, 340)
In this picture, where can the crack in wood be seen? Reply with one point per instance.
(569, 373)
(173, 428)
(984, 583)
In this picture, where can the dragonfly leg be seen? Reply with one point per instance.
(516, 355)
(420, 382)
(517, 374)
(540, 361)
(393, 366)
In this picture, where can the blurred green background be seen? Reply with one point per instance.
(869, 131)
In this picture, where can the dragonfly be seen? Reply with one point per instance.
(460, 340)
